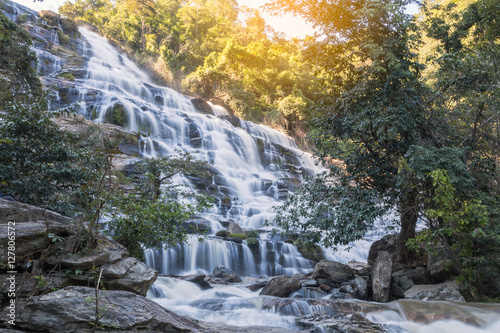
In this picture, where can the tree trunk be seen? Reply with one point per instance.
(409, 215)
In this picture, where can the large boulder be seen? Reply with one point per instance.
(282, 286)
(198, 279)
(334, 272)
(381, 277)
(225, 274)
(386, 243)
(32, 225)
(234, 228)
(130, 275)
(447, 291)
(440, 265)
(72, 309)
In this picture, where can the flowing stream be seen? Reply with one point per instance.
(255, 168)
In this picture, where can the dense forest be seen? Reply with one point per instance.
(213, 49)
(403, 109)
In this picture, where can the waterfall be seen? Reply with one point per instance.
(255, 165)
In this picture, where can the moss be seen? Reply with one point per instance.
(222, 233)
(67, 76)
(252, 234)
(69, 27)
(252, 241)
(94, 114)
(23, 18)
(238, 236)
(117, 115)
(63, 38)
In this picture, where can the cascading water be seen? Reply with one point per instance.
(255, 165)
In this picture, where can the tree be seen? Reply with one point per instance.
(152, 215)
(17, 64)
(38, 162)
(370, 116)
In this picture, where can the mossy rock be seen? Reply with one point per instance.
(238, 236)
(69, 27)
(222, 233)
(50, 17)
(311, 252)
(117, 115)
(63, 38)
(67, 76)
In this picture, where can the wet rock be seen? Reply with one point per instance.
(198, 279)
(360, 286)
(282, 286)
(225, 274)
(332, 271)
(72, 309)
(129, 275)
(355, 323)
(386, 243)
(310, 283)
(381, 277)
(201, 105)
(233, 120)
(447, 291)
(360, 268)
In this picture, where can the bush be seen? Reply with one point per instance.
(238, 236)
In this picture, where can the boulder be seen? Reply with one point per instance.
(360, 268)
(282, 286)
(198, 279)
(447, 291)
(234, 228)
(84, 262)
(129, 274)
(225, 274)
(72, 309)
(201, 105)
(32, 225)
(381, 277)
(386, 243)
(332, 271)
(360, 286)
(440, 266)
(116, 250)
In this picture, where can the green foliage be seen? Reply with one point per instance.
(38, 162)
(17, 71)
(213, 49)
(152, 216)
(468, 230)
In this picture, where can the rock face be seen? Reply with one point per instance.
(282, 286)
(32, 225)
(381, 277)
(333, 272)
(440, 266)
(72, 309)
(447, 291)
